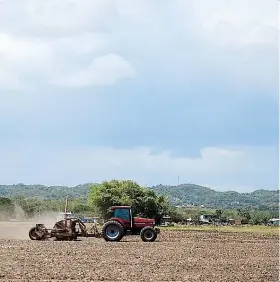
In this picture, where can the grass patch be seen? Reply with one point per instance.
(261, 229)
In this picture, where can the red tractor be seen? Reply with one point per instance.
(123, 223)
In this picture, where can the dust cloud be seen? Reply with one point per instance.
(18, 227)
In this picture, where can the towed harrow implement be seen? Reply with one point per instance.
(67, 229)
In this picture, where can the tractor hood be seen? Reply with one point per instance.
(146, 221)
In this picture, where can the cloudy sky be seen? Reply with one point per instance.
(146, 90)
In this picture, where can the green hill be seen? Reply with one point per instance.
(185, 194)
(191, 194)
(44, 192)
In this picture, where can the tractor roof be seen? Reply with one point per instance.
(120, 207)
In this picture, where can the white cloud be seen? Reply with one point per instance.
(238, 40)
(61, 42)
(25, 62)
(233, 22)
(216, 167)
(54, 17)
(20, 57)
(104, 70)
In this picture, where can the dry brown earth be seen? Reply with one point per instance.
(176, 256)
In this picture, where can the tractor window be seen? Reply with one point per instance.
(122, 213)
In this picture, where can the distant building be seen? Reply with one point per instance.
(274, 221)
(234, 221)
(207, 218)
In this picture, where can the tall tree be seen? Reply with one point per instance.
(145, 202)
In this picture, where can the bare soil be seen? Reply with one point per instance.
(175, 256)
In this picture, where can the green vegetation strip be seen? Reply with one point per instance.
(266, 230)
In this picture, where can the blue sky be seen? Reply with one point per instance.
(143, 90)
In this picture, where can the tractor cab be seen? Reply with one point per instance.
(124, 214)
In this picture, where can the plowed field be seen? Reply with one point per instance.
(175, 256)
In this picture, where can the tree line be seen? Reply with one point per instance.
(146, 202)
(183, 194)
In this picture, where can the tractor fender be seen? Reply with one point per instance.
(118, 220)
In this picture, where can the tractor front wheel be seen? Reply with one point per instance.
(148, 234)
(112, 231)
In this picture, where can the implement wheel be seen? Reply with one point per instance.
(33, 235)
(112, 231)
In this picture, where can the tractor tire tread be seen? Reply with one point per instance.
(144, 238)
(112, 222)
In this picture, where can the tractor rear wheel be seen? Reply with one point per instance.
(148, 234)
(112, 231)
